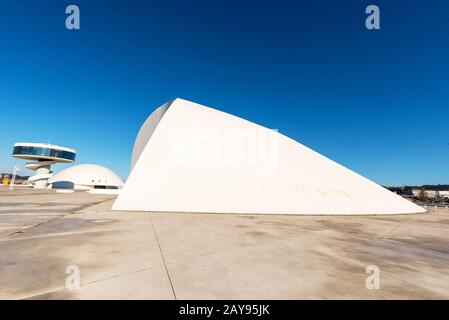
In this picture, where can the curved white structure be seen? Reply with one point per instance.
(191, 158)
(86, 177)
(44, 155)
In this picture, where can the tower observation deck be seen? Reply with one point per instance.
(42, 156)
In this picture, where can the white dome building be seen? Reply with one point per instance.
(86, 177)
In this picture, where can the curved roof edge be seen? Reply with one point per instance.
(147, 129)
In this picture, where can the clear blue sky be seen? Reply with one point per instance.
(374, 101)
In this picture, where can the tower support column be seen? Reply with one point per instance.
(43, 172)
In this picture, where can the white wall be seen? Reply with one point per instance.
(191, 165)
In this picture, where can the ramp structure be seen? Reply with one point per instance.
(192, 158)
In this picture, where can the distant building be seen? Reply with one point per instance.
(403, 191)
(432, 193)
(86, 177)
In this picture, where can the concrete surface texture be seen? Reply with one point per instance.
(141, 255)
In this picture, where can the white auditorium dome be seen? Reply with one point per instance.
(86, 177)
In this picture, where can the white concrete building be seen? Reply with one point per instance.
(87, 177)
(43, 156)
(191, 158)
(431, 193)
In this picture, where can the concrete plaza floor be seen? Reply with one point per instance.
(140, 255)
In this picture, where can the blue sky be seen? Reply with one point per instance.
(374, 101)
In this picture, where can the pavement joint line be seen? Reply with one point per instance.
(22, 194)
(163, 259)
(94, 281)
(389, 231)
(59, 234)
(51, 220)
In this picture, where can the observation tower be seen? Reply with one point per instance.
(42, 156)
